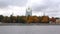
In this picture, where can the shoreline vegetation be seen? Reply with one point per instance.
(27, 19)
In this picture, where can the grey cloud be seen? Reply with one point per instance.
(47, 4)
(52, 7)
(55, 14)
(4, 3)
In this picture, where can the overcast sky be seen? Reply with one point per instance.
(18, 7)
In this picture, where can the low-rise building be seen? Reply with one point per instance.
(57, 21)
(52, 20)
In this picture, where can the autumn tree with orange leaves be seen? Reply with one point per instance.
(45, 19)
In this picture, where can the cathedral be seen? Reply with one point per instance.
(28, 11)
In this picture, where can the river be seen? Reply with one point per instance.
(34, 29)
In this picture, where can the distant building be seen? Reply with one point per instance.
(57, 21)
(52, 20)
(28, 11)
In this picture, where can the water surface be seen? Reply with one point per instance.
(35, 29)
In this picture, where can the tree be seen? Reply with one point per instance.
(1, 18)
(29, 19)
(32, 19)
(18, 19)
(45, 19)
(40, 18)
(6, 19)
(11, 18)
(35, 19)
(14, 19)
(22, 19)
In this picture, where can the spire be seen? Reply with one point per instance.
(44, 13)
(12, 14)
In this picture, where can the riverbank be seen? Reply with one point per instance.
(20, 24)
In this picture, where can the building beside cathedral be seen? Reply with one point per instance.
(28, 11)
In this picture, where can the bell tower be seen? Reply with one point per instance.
(28, 11)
